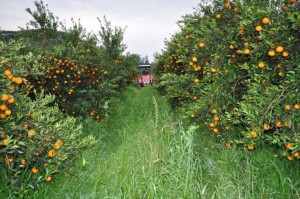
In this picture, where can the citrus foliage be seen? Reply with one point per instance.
(238, 63)
(47, 78)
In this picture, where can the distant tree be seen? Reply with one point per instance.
(111, 39)
(42, 17)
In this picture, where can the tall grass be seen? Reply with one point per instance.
(145, 151)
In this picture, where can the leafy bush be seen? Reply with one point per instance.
(242, 62)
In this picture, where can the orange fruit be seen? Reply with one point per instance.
(250, 146)
(271, 53)
(195, 97)
(231, 46)
(287, 123)
(218, 16)
(187, 37)
(3, 107)
(285, 54)
(247, 51)
(213, 70)
(201, 45)
(23, 161)
(48, 178)
(287, 107)
(11, 100)
(7, 112)
(214, 111)
(216, 130)
(297, 106)
(290, 158)
(265, 20)
(212, 125)
(34, 170)
(47, 138)
(253, 134)
(4, 141)
(30, 133)
(279, 49)
(194, 59)
(278, 124)
(51, 153)
(261, 64)
(294, 1)
(258, 28)
(267, 127)
(4, 97)
(216, 118)
(7, 72)
(288, 145)
(228, 145)
(235, 9)
(196, 81)
(296, 154)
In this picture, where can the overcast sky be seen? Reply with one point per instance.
(149, 22)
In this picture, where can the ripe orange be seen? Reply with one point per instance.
(216, 118)
(23, 161)
(231, 46)
(290, 158)
(3, 107)
(18, 80)
(196, 81)
(7, 72)
(297, 106)
(235, 9)
(265, 20)
(271, 53)
(296, 154)
(287, 107)
(267, 127)
(213, 70)
(7, 112)
(228, 145)
(258, 28)
(48, 178)
(247, 51)
(288, 145)
(285, 54)
(11, 100)
(294, 1)
(213, 111)
(279, 49)
(261, 64)
(187, 37)
(216, 130)
(212, 125)
(51, 153)
(250, 146)
(4, 97)
(30, 133)
(201, 45)
(4, 141)
(253, 134)
(194, 59)
(195, 97)
(34, 170)
(278, 124)
(218, 16)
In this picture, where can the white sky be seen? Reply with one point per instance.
(149, 22)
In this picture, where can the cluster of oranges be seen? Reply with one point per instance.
(6, 99)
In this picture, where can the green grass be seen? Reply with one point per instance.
(145, 150)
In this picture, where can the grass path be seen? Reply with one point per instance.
(144, 151)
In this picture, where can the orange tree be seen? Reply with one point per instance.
(36, 138)
(239, 66)
(81, 74)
